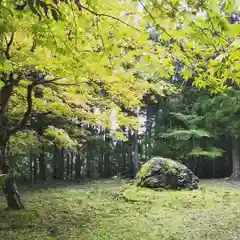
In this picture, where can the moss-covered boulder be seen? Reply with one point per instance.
(166, 173)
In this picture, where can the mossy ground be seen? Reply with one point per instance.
(102, 213)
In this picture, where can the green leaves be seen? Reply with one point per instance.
(23, 142)
(41, 8)
(211, 153)
(31, 5)
(187, 134)
(60, 138)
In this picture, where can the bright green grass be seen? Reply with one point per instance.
(102, 213)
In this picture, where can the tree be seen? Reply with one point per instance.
(202, 36)
(82, 61)
(33, 53)
(221, 118)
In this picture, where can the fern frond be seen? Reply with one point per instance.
(187, 134)
(210, 152)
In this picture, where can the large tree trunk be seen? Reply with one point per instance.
(12, 195)
(235, 159)
(10, 189)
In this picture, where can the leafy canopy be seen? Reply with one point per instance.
(75, 64)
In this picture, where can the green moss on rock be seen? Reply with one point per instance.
(172, 167)
(146, 168)
(165, 173)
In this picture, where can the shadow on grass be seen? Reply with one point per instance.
(48, 213)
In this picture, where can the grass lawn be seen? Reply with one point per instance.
(110, 210)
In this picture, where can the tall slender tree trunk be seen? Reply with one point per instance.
(35, 168)
(61, 164)
(68, 164)
(55, 162)
(130, 154)
(71, 164)
(41, 159)
(149, 130)
(235, 159)
(124, 154)
(42, 165)
(136, 153)
(107, 167)
(196, 167)
(78, 166)
(31, 167)
(101, 161)
(89, 160)
(119, 158)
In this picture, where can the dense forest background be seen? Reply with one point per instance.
(191, 126)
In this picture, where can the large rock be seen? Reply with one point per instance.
(166, 173)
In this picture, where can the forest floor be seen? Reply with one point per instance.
(114, 210)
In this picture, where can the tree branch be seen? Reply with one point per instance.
(9, 43)
(166, 32)
(5, 95)
(22, 123)
(53, 81)
(205, 34)
(65, 84)
(80, 6)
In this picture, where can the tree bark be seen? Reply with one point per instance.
(107, 167)
(68, 164)
(89, 161)
(42, 165)
(101, 155)
(136, 153)
(9, 189)
(71, 164)
(196, 167)
(41, 159)
(101, 161)
(61, 167)
(54, 161)
(31, 167)
(235, 159)
(35, 168)
(78, 166)
(12, 195)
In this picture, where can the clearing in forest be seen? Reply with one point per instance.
(114, 210)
